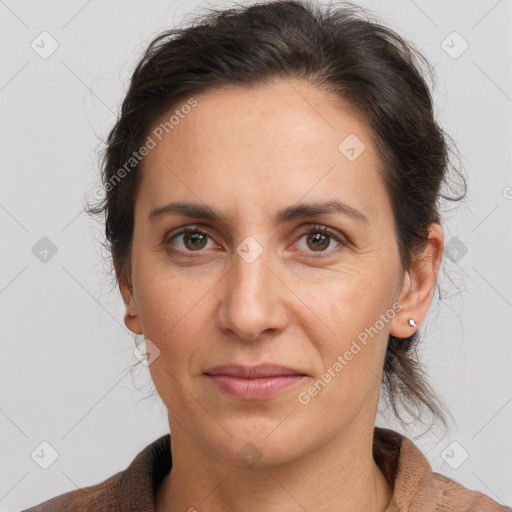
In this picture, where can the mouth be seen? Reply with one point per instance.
(254, 382)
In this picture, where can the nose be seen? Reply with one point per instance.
(254, 299)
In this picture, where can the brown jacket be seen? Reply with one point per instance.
(416, 487)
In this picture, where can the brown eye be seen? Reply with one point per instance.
(319, 241)
(186, 240)
(319, 238)
(194, 240)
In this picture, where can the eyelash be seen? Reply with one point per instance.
(314, 229)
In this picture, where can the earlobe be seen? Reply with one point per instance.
(401, 326)
(131, 316)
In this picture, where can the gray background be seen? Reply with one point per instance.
(65, 371)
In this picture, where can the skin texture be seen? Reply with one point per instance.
(250, 152)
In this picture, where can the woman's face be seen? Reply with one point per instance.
(253, 287)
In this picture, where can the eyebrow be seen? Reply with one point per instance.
(285, 215)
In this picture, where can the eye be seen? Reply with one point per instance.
(192, 240)
(319, 238)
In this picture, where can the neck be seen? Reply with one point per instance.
(341, 475)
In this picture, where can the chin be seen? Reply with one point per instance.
(260, 444)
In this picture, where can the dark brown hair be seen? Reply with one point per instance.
(338, 48)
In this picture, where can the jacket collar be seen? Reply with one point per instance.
(402, 463)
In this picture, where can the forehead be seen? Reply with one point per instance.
(275, 143)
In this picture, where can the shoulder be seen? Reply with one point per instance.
(416, 488)
(130, 489)
(100, 497)
(443, 493)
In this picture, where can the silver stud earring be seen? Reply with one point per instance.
(412, 323)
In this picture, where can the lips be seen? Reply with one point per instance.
(253, 372)
(253, 382)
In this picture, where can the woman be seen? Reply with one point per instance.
(272, 185)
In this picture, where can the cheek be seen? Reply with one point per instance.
(355, 323)
(171, 317)
(176, 312)
(163, 294)
(161, 305)
(352, 356)
(346, 304)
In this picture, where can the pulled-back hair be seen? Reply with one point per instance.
(338, 48)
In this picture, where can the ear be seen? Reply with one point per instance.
(419, 285)
(132, 318)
